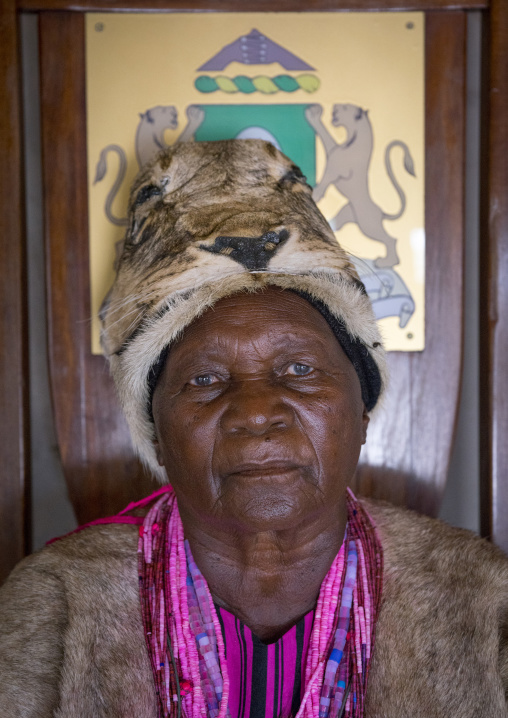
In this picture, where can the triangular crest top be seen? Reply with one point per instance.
(254, 49)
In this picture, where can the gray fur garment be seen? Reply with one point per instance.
(72, 646)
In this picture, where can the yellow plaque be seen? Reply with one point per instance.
(342, 94)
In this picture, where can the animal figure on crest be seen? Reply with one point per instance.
(149, 141)
(347, 167)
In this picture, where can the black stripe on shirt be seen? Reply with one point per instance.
(297, 687)
(259, 670)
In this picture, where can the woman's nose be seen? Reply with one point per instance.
(256, 407)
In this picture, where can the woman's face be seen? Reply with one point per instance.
(258, 414)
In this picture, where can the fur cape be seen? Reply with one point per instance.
(72, 645)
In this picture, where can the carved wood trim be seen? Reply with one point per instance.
(14, 417)
(494, 286)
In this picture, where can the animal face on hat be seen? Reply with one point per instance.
(208, 220)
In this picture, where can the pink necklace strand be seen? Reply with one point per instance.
(184, 639)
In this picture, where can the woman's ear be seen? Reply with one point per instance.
(365, 424)
(158, 452)
(157, 447)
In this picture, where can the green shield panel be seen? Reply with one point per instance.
(286, 123)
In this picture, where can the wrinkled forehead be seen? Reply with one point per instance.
(282, 314)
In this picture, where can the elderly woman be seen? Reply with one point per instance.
(253, 584)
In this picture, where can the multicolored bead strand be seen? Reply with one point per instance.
(184, 638)
(332, 690)
(203, 628)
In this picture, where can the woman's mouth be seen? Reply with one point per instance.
(263, 469)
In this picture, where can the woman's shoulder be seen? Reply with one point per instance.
(88, 567)
(423, 545)
(441, 639)
(75, 603)
(96, 550)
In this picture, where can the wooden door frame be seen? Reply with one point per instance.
(494, 280)
(14, 415)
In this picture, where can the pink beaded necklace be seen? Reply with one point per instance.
(184, 638)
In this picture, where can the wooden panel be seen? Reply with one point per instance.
(409, 442)
(13, 317)
(494, 319)
(101, 473)
(249, 5)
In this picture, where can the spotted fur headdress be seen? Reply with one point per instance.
(210, 219)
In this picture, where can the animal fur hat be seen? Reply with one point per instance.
(210, 219)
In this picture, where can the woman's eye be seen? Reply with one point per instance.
(204, 380)
(299, 369)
